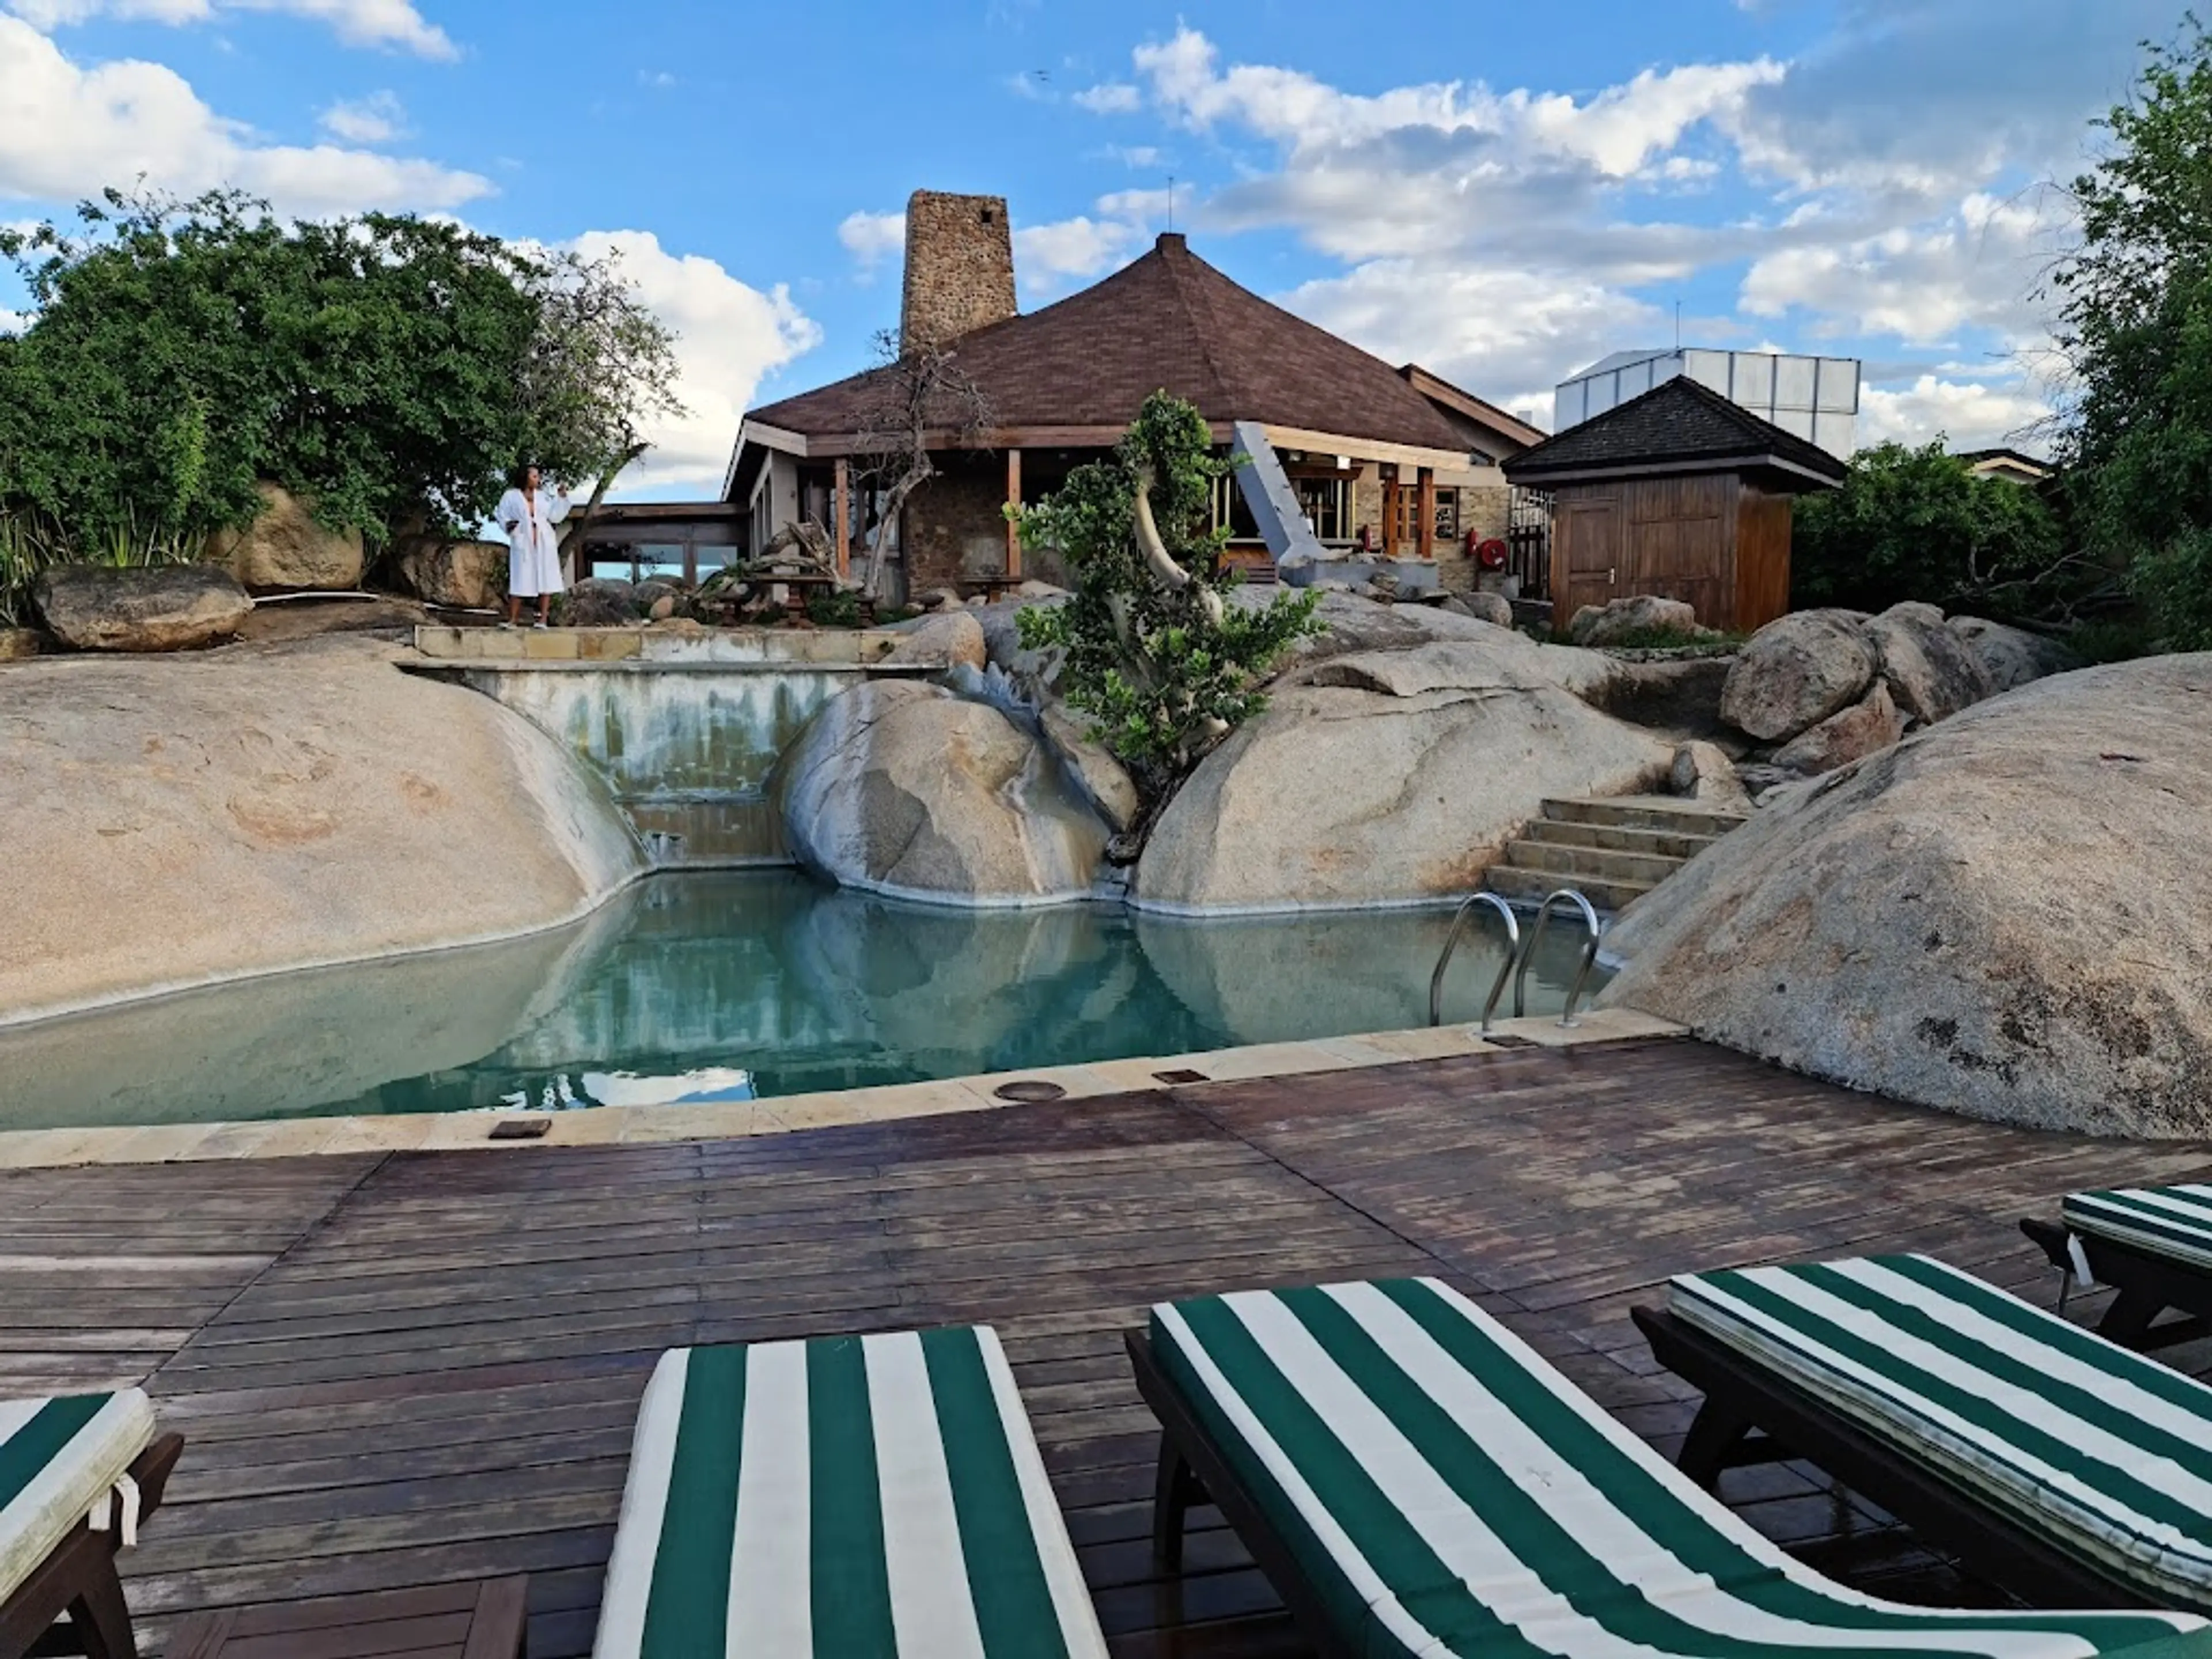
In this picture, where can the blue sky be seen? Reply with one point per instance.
(1501, 193)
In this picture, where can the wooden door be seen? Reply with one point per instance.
(1586, 551)
(1675, 545)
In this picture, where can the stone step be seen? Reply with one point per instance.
(1644, 812)
(1619, 838)
(1598, 863)
(1533, 886)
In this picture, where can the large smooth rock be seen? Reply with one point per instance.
(953, 640)
(600, 602)
(178, 607)
(1867, 726)
(1995, 918)
(199, 819)
(455, 575)
(1388, 775)
(1101, 780)
(286, 548)
(1480, 607)
(1796, 673)
(1703, 773)
(903, 787)
(1626, 618)
(2012, 657)
(1930, 671)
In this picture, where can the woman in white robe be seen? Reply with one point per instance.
(534, 546)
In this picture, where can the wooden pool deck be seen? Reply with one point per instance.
(401, 1369)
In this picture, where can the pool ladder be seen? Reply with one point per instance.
(1518, 954)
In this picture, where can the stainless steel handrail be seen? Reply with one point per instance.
(1536, 938)
(1451, 944)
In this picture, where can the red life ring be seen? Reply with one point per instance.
(1490, 554)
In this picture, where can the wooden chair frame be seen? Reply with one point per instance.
(1192, 1472)
(1752, 1415)
(78, 1581)
(2149, 1284)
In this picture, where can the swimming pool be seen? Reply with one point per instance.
(705, 987)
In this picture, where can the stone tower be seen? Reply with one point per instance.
(959, 267)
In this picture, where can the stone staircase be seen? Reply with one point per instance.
(1614, 850)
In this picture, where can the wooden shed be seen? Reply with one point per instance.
(1679, 493)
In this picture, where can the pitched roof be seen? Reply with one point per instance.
(1167, 321)
(1678, 426)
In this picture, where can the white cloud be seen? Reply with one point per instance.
(72, 130)
(14, 322)
(1081, 247)
(872, 238)
(393, 24)
(1112, 98)
(1971, 414)
(658, 80)
(730, 337)
(376, 120)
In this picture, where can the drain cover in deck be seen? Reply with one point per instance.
(1182, 1077)
(1031, 1091)
(521, 1128)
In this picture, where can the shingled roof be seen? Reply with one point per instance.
(1168, 321)
(1679, 426)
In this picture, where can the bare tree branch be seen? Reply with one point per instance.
(919, 393)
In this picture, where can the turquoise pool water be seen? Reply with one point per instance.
(728, 985)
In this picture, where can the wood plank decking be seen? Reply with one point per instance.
(409, 1369)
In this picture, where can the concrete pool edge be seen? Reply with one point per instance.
(603, 1126)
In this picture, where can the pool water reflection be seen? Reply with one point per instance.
(723, 987)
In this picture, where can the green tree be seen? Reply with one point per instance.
(2137, 327)
(1917, 524)
(1156, 654)
(395, 369)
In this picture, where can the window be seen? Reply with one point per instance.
(1326, 505)
(1447, 515)
(1230, 509)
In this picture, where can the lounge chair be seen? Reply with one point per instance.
(876, 1496)
(2151, 1244)
(2053, 1462)
(76, 1476)
(1416, 1480)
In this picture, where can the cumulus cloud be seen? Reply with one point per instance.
(72, 130)
(731, 336)
(1971, 414)
(872, 238)
(393, 24)
(1110, 98)
(376, 120)
(1046, 255)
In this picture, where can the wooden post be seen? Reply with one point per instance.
(841, 510)
(1389, 510)
(1425, 532)
(1014, 499)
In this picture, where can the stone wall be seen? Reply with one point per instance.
(959, 267)
(956, 526)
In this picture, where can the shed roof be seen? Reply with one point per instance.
(1679, 426)
(1168, 321)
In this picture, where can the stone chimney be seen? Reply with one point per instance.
(959, 267)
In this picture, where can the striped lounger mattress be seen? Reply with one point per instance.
(846, 1497)
(1445, 1491)
(2175, 1222)
(58, 1460)
(2103, 1453)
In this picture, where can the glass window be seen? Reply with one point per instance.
(1326, 505)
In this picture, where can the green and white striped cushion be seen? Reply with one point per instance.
(57, 1458)
(2169, 1221)
(848, 1496)
(2104, 1453)
(1446, 1492)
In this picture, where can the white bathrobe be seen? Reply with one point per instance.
(534, 546)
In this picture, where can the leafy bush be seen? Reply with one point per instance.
(1156, 655)
(837, 610)
(1918, 524)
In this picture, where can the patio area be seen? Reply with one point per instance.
(403, 1368)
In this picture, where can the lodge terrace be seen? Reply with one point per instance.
(410, 1368)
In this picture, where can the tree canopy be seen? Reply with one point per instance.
(2137, 326)
(393, 368)
(1918, 524)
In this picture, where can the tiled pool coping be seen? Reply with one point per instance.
(601, 1126)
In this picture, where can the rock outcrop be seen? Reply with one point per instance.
(1867, 727)
(1101, 779)
(18, 643)
(903, 788)
(1618, 619)
(953, 639)
(286, 548)
(1389, 775)
(2011, 657)
(1482, 605)
(178, 607)
(456, 575)
(1702, 773)
(1993, 918)
(1794, 674)
(196, 820)
(1930, 673)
